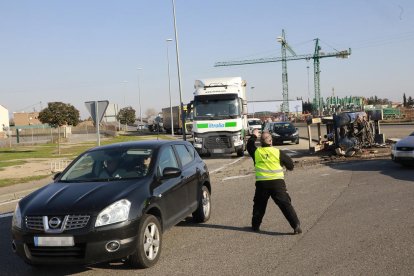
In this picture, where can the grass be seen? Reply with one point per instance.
(66, 150)
(4, 164)
(12, 181)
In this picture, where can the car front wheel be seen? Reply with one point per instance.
(202, 214)
(149, 243)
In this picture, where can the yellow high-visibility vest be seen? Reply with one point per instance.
(268, 164)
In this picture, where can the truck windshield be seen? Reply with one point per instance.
(209, 108)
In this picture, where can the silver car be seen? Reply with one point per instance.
(403, 151)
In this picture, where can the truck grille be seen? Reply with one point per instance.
(217, 142)
(73, 222)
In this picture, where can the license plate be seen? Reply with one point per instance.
(54, 241)
(218, 150)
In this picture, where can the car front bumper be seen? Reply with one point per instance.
(403, 156)
(283, 138)
(89, 245)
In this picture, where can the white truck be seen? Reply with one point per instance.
(220, 116)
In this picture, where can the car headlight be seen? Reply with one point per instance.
(275, 135)
(198, 140)
(296, 133)
(17, 217)
(116, 212)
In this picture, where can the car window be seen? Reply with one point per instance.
(184, 155)
(191, 150)
(83, 167)
(167, 159)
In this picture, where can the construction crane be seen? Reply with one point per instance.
(285, 46)
(316, 56)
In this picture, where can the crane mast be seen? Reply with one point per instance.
(285, 46)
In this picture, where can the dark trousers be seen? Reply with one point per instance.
(277, 190)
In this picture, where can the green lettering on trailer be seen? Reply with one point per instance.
(202, 125)
(231, 124)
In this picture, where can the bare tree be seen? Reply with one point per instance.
(150, 112)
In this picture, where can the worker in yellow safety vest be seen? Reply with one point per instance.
(269, 163)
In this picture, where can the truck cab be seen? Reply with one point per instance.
(220, 116)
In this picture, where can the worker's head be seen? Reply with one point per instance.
(266, 139)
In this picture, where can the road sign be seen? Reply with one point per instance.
(97, 109)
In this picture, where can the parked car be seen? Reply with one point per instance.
(282, 131)
(254, 123)
(113, 202)
(403, 151)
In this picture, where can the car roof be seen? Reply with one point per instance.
(149, 144)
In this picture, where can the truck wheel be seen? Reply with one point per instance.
(148, 248)
(240, 152)
(202, 214)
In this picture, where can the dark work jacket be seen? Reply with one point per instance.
(285, 161)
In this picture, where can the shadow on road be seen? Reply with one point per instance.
(383, 166)
(189, 223)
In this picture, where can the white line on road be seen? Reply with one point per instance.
(225, 166)
(237, 176)
(6, 215)
(10, 201)
(290, 152)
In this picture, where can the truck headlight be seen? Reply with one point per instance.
(198, 140)
(17, 217)
(236, 138)
(116, 212)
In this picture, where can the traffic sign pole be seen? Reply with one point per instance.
(97, 125)
(97, 110)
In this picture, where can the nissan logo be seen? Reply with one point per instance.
(54, 222)
(218, 140)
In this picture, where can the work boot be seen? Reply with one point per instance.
(297, 230)
(255, 228)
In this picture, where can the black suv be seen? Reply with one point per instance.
(282, 131)
(113, 202)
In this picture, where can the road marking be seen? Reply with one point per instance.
(225, 166)
(290, 152)
(235, 177)
(6, 215)
(10, 201)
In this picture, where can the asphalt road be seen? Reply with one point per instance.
(357, 219)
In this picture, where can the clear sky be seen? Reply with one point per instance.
(79, 50)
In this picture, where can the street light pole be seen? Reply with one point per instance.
(251, 88)
(179, 73)
(139, 98)
(169, 87)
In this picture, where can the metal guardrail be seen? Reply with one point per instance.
(59, 165)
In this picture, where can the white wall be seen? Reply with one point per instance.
(4, 118)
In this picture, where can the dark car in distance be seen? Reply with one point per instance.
(282, 131)
(111, 203)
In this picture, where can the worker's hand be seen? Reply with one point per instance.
(256, 132)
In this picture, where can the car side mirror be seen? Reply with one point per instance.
(170, 172)
(57, 175)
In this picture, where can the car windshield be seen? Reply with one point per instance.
(254, 122)
(107, 165)
(216, 107)
(279, 127)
